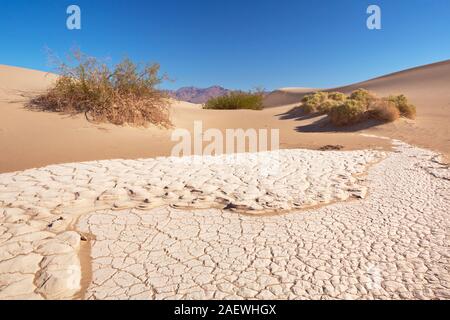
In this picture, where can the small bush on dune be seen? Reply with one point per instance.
(327, 105)
(125, 94)
(360, 105)
(322, 101)
(337, 96)
(236, 100)
(312, 102)
(363, 96)
(384, 110)
(405, 108)
(349, 112)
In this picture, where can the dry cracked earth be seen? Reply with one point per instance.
(288, 224)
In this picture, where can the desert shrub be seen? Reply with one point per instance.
(123, 94)
(405, 108)
(360, 105)
(322, 102)
(363, 96)
(337, 96)
(347, 113)
(312, 102)
(384, 110)
(236, 100)
(327, 105)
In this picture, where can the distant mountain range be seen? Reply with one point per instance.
(198, 95)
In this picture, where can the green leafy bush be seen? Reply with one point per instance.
(322, 101)
(327, 105)
(236, 100)
(360, 105)
(347, 113)
(405, 108)
(123, 94)
(312, 102)
(337, 96)
(363, 96)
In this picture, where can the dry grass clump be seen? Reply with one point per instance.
(360, 105)
(125, 94)
(236, 100)
(384, 110)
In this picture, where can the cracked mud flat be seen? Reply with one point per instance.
(390, 243)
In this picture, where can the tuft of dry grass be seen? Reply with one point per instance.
(124, 94)
(384, 110)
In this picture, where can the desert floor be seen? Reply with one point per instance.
(369, 222)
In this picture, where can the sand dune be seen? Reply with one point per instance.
(424, 83)
(285, 96)
(428, 87)
(16, 80)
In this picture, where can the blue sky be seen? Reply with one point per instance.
(235, 43)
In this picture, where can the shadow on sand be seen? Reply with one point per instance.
(297, 113)
(322, 124)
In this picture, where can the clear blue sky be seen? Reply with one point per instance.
(235, 43)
